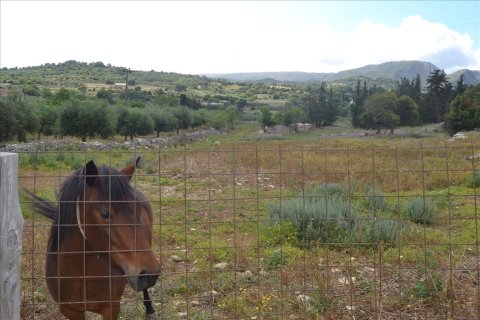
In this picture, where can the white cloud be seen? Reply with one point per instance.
(414, 39)
(204, 37)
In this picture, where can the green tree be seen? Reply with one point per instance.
(180, 87)
(163, 120)
(8, 122)
(465, 111)
(357, 107)
(198, 118)
(410, 88)
(380, 111)
(46, 93)
(331, 109)
(184, 118)
(267, 117)
(461, 86)
(136, 104)
(48, 115)
(231, 115)
(408, 111)
(26, 117)
(105, 94)
(437, 98)
(224, 119)
(165, 100)
(241, 103)
(315, 104)
(289, 117)
(133, 122)
(31, 90)
(86, 118)
(416, 93)
(62, 95)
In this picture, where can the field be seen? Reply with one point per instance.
(328, 224)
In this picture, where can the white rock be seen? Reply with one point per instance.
(221, 265)
(176, 258)
(303, 298)
(247, 274)
(458, 136)
(194, 303)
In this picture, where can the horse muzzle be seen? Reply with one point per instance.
(144, 280)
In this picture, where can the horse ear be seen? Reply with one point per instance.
(130, 169)
(91, 173)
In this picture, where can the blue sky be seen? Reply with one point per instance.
(241, 36)
(463, 16)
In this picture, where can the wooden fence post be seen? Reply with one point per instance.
(11, 228)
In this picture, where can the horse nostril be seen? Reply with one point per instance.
(147, 279)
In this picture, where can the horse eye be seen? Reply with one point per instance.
(105, 215)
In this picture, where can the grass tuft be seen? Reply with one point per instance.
(420, 210)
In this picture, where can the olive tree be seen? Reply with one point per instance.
(379, 112)
(86, 118)
(133, 122)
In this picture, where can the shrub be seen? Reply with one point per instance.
(325, 214)
(385, 231)
(474, 180)
(277, 259)
(320, 217)
(420, 210)
(464, 113)
(330, 189)
(375, 198)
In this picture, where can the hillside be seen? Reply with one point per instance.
(74, 73)
(469, 77)
(391, 71)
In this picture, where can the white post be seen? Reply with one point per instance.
(11, 228)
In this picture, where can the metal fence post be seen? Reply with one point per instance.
(11, 228)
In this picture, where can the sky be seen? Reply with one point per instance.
(199, 37)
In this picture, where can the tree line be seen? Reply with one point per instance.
(72, 113)
(316, 104)
(408, 105)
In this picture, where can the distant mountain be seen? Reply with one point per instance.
(469, 77)
(392, 71)
(288, 76)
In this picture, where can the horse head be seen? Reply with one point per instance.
(116, 219)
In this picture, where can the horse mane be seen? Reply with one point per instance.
(112, 185)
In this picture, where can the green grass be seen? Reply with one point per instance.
(247, 208)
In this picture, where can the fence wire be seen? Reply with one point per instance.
(298, 232)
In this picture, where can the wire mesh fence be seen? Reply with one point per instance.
(292, 232)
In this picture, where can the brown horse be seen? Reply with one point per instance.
(100, 240)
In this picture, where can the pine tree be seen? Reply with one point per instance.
(461, 86)
(438, 96)
(357, 106)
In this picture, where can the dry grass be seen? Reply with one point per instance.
(211, 207)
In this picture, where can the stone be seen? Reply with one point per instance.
(176, 258)
(221, 266)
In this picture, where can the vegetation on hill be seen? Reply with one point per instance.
(68, 98)
(384, 74)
